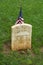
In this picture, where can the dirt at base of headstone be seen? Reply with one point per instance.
(41, 49)
(7, 47)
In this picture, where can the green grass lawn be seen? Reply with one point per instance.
(33, 14)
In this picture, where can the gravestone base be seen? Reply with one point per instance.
(21, 36)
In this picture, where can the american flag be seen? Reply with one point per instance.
(20, 19)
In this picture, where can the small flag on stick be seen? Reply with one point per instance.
(20, 19)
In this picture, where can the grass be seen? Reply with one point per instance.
(33, 14)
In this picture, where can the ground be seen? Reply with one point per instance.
(32, 14)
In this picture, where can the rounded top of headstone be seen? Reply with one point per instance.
(24, 24)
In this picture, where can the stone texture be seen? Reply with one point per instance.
(21, 36)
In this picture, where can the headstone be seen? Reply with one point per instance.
(21, 36)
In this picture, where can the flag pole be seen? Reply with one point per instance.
(20, 19)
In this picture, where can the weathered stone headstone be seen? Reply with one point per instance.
(21, 36)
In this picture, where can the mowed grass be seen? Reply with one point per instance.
(33, 14)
